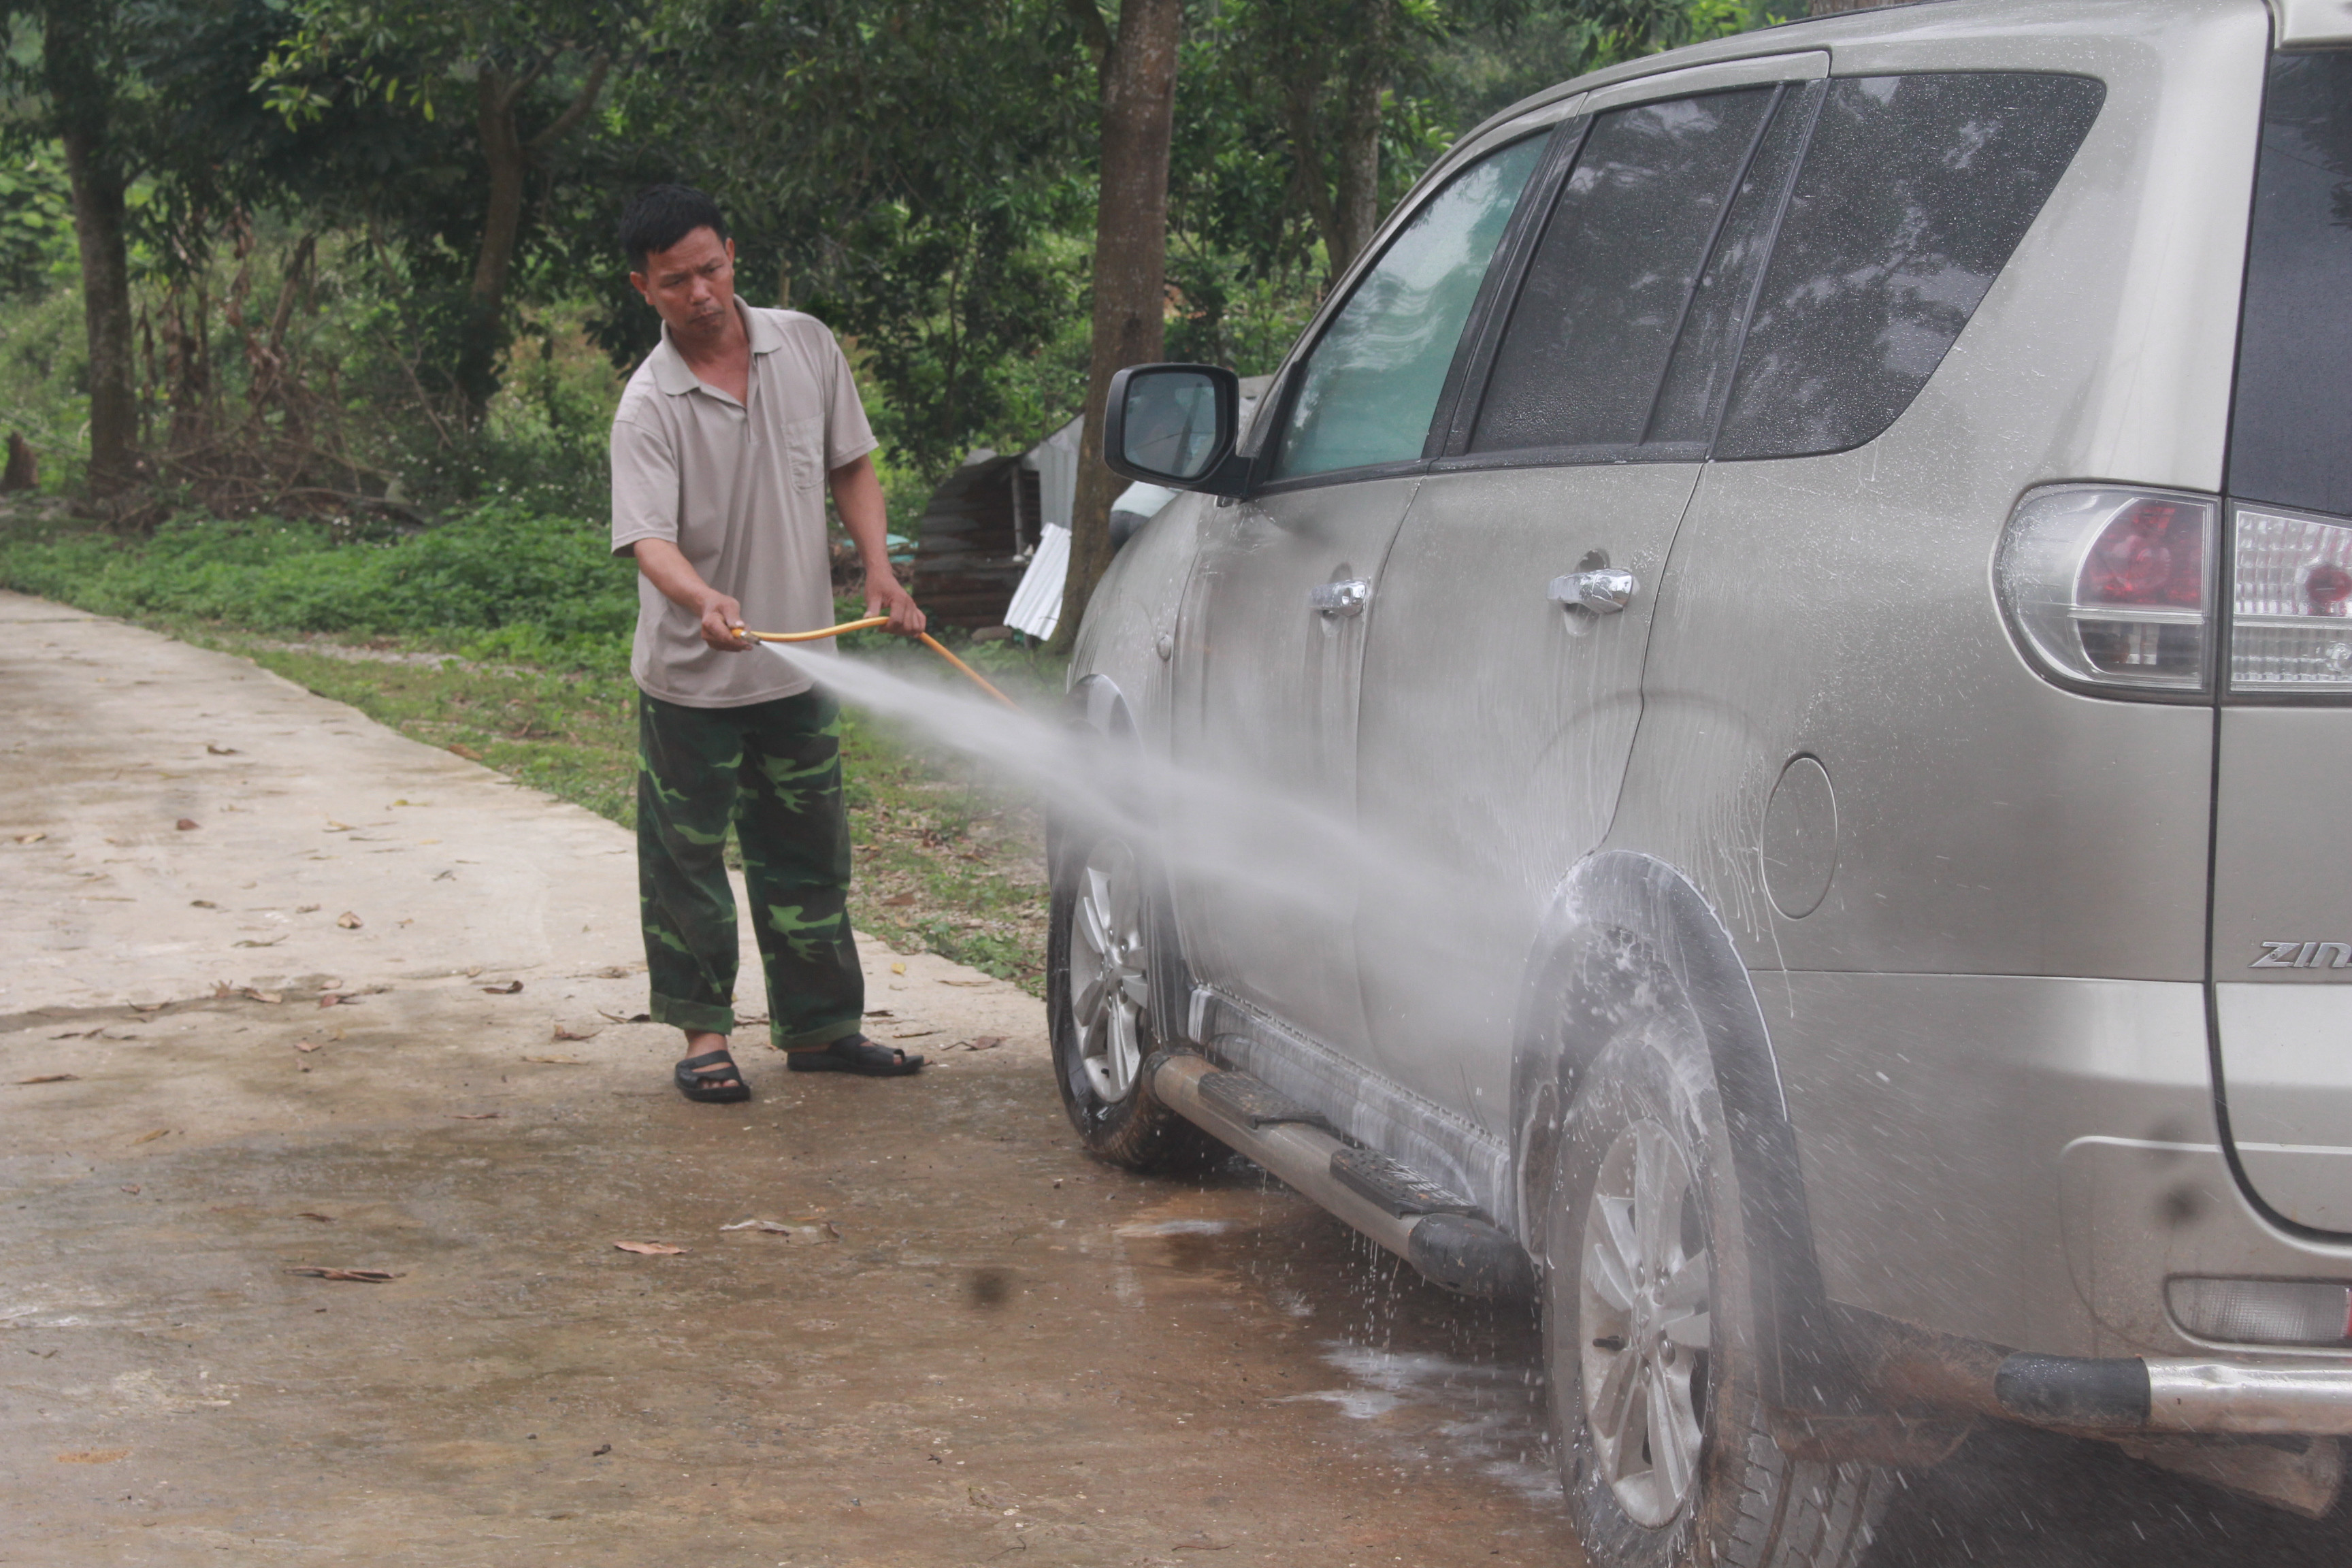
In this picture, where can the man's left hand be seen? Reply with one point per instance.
(889, 597)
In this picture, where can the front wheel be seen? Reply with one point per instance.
(1663, 1450)
(1098, 982)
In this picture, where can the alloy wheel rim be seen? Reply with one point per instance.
(1644, 1323)
(1109, 987)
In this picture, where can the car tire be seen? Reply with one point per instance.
(1663, 1450)
(1101, 965)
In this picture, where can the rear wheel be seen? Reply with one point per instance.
(1098, 985)
(1663, 1450)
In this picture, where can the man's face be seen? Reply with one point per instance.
(692, 285)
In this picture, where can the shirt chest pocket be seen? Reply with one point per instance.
(805, 454)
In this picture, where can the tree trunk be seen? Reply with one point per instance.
(506, 162)
(1131, 276)
(1357, 198)
(80, 105)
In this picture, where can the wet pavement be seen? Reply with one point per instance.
(954, 1341)
(968, 1344)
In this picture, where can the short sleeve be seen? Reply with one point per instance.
(847, 435)
(645, 485)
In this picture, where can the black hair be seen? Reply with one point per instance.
(660, 216)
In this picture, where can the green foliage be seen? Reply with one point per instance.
(501, 578)
(36, 243)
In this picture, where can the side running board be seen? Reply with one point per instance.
(1440, 1233)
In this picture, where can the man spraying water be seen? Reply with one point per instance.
(722, 446)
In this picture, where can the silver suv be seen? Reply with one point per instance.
(1743, 744)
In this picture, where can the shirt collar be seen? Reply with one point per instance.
(675, 377)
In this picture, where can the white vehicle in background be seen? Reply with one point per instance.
(1806, 580)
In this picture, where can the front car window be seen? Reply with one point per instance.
(1370, 386)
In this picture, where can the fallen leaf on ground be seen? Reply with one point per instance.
(600, 1452)
(746, 1020)
(806, 1230)
(476, 1115)
(77, 1034)
(149, 1006)
(93, 1457)
(899, 899)
(628, 1018)
(557, 1061)
(51, 1077)
(223, 991)
(30, 838)
(508, 989)
(897, 969)
(132, 1189)
(307, 909)
(273, 942)
(348, 921)
(354, 1276)
(650, 1248)
(334, 827)
(202, 904)
(151, 1137)
(322, 1219)
(978, 1042)
(913, 1034)
(220, 751)
(459, 749)
(563, 1034)
(185, 823)
(612, 972)
(252, 995)
(330, 999)
(881, 1013)
(967, 981)
(306, 1045)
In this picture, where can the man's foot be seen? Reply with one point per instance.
(712, 1078)
(853, 1054)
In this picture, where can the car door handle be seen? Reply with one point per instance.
(1339, 598)
(1603, 591)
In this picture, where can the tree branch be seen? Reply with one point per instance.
(578, 109)
(1095, 30)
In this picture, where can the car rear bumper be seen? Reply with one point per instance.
(2176, 1394)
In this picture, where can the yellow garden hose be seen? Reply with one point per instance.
(929, 641)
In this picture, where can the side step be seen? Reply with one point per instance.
(1438, 1232)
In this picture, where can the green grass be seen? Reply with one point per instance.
(503, 638)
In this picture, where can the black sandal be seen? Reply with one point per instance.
(711, 1079)
(854, 1053)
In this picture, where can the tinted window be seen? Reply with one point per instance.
(2292, 439)
(1371, 384)
(1700, 371)
(1915, 191)
(1588, 341)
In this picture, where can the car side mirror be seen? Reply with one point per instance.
(1175, 425)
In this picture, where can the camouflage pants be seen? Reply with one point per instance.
(773, 769)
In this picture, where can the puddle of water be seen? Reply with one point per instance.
(1490, 1417)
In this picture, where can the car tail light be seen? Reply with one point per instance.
(2262, 1311)
(2291, 589)
(2112, 588)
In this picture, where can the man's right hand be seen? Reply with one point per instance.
(720, 618)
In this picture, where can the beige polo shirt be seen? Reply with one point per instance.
(739, 489)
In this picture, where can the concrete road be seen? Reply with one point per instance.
(965, 1344)
(970, 1345)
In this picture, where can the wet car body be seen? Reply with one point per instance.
(1830, 538)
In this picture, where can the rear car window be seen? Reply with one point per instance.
(1913, 193)
(1370, 386)
(2291, 435)
(1605, 294)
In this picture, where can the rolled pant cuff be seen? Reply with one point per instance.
(694, 1017)
(810, 1039)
